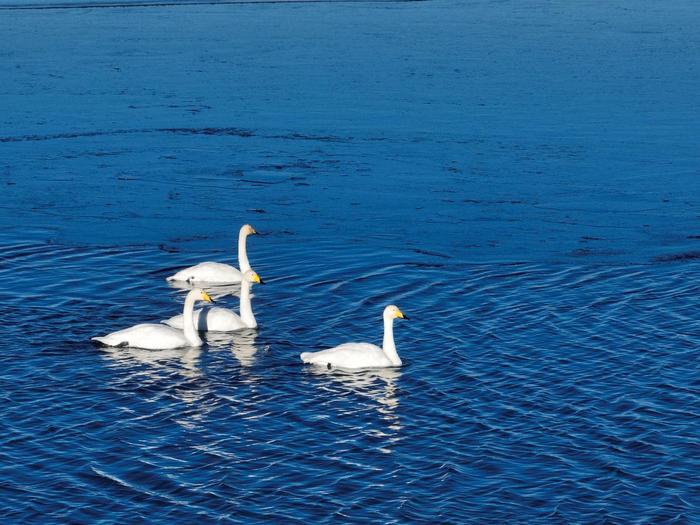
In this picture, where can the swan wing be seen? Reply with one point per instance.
(349, 355)
(213, 319)
(147, 336)
(176, 321)
(217, 319)
(208, 272)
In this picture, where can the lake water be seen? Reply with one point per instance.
(522, 179)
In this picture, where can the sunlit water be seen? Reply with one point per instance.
(520, 178)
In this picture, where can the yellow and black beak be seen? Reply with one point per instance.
(206, 297)
(400, 315)
(253, 231)
(256, 278)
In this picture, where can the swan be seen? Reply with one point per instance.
(362, 355)
(153, 336)
(213, 272)
(216, 319)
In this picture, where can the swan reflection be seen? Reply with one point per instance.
(378, 385)
(164, 365)
(158, 360)
(243, 347)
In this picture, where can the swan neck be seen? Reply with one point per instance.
(246, 307)
(243, 263)
(188, 327)
(388, 345)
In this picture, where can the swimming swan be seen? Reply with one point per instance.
(213, 272)
(216, 319)
(153, 336)
(362, 355)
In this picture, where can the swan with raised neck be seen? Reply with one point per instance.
(151, 336)
(362, 355)
(219, 273)
(217, 319)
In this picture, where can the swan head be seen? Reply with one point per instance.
(247, 229)
(201, 295)
(252, 277)
(392, 312)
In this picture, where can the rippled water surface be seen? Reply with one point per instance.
(528, 391)
(521, 179)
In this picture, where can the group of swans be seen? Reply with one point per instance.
(183, 330)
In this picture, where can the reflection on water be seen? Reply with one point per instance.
(180, 366)
(243, 347)
(241, 342)
(376, 385)
(157, 360)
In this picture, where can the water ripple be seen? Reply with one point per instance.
(536, 392)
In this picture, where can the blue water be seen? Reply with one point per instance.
(521, 179)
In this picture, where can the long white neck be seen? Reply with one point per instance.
(246, 308)
(188, 327)
(243, 264)
(388, 344)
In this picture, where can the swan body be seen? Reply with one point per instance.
(350, 355)
(220, 273)
(362, 355)
(148, 336)
(217, 319)
(151, 336)
(208, 272)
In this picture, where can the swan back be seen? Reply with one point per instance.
(349, 355)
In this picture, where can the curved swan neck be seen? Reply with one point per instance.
(246, 308)
(243, 263)
(388, 344)
(188, 328)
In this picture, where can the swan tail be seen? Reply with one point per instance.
(310, 357)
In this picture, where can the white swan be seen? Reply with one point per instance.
(216, 319)
(362, 355)
(153, 336)
(213, 272)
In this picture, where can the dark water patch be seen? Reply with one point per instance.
(207, 131)
(678, 257)
(81, 4)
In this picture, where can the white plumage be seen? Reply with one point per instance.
(362, 355)
(219, 273)
(217, 319)
(151, 336)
